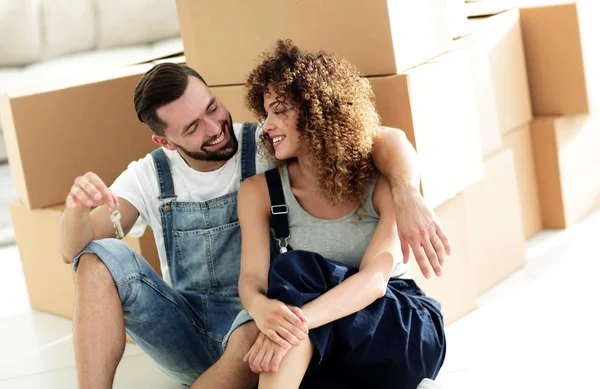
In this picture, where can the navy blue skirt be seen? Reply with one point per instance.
(393, 343)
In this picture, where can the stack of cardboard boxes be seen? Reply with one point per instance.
(489, 233)
(558, 169)
(494, 212)
(553, 139)
(465, 92)
(563, 62)
(54, 133)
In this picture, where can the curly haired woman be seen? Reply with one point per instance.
(339, 287)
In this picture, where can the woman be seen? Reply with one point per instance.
(366, 327)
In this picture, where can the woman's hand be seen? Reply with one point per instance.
(265, 355)
(283, 324)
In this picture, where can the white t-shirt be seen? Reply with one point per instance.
(139, 185)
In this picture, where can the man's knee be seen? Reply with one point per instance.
(91, 268)
(242, 339)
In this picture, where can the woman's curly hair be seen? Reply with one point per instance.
(337, 119)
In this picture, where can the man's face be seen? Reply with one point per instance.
(199, 125)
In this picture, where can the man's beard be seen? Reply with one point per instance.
(224, 153)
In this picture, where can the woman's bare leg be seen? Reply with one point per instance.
(291, 370)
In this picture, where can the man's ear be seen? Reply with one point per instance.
(163, 142)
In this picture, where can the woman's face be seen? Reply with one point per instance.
(281, 125)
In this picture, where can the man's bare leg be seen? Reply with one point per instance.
(230, 371)
(98, 325)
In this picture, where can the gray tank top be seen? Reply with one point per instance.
(344, 239)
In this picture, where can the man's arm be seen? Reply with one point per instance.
(79, 225)
(418, 227)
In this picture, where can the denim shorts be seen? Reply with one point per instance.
(167, 324)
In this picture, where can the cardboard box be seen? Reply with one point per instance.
(501, 35)
(3, 156)
(519, 141)
(488, 7)
(232, 98)
(223, 40)
(567, 161)
(180, 59)
(563, 57)
(434, 105)
(488, 121)
(50, 282)
(60, 130)
(457, 17)
(477, 8)
(495, 232)
(455, 290)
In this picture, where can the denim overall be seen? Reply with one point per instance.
(203, 243)
(181, 326)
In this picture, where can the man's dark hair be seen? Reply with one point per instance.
(161, 85)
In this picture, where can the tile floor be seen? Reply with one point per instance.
(537, 329)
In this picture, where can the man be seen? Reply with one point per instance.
(186, 191)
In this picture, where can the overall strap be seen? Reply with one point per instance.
(248, 150)
(165, 180)
(279, 209)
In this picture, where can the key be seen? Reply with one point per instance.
(115, 217)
